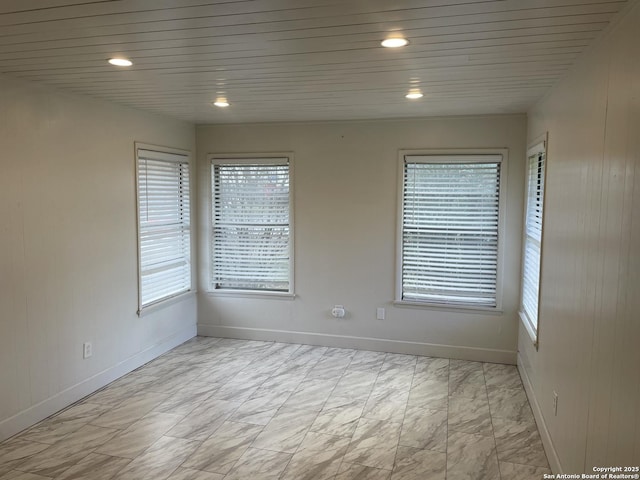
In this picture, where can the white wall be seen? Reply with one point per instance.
(345, 237)
(68, 270)
(590, 303)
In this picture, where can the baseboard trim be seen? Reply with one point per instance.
(51, 405)
(364, 343)
(547, 441)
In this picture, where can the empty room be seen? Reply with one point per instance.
(319, 239)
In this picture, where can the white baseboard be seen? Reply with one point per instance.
(547, 441)
(364, 343)
(51, 405)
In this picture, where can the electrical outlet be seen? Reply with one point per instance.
(555, 403)
(87, 350)
(380, 313)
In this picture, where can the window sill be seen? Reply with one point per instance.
(160, 304)
(252, 294)
(448, 308)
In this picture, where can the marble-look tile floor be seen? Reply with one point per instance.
(214, 409)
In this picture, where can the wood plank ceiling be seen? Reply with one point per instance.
(290, 60)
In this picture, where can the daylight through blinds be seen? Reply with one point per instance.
(533, 238)
(251, 225)
(164, 225)
(450, 229)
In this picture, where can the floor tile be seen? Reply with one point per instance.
(240, 388)
(160, 460)
(424, 429)
(433, 368)
(221, 451)
(95, 467)
(139, 436)
(263, 464)
(16, 475)
(470, 415)
(174, 380)
(286, 430)
(284, 382)
(188, 399)
(353, 471)
(374, 444)
(223, 371)
(471, 457)
(519, 442)
(417, 464)
(401, 359)
(67, 451)
(429, 393)
(130, 411)
(15, 451)
(514, 471)
(204, 420)
(260, 408)
(466, 379)
(345, 400)
(68, 421)
(196, 345)
(355, 384)
(188, 474)
(510, 403)
(396, 376)
(306, 354)
(341, 420)
(386, 404)
(366, 361)
(311, 394)
(329, 367)
(318, 458)
(502, 376)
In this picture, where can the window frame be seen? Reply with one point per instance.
(502, 194)
(537, 147)
(178, 296)
(251, 159)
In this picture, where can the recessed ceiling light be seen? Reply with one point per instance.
(414, 94)
(394, 42)
(120, 62)
(221, 102)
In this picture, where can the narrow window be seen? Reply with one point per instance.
(252, 223)
(451, 219)
(164, 226)
(532, 247)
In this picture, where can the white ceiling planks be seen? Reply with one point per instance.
(289, 60)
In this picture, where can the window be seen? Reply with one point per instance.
(164, 226)
(252, 224)
(532, 246)
(450, 229)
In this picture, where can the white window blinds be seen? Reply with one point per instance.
(450, 225)
(533, 239)
(164, 230)
(251, 225)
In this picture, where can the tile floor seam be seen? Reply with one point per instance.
(403, 418)
(316, 417)
(365, 403)
(493, 430)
